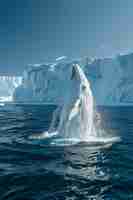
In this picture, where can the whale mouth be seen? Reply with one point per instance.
(73, 72)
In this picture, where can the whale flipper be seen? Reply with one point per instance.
(75, 109)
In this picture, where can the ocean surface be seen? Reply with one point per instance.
(37, 170)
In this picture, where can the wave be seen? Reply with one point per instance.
(59, 141)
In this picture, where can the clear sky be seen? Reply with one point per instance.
(32, 31)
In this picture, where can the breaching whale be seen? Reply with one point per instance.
(76, 117)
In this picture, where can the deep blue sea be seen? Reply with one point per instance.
(36, 170)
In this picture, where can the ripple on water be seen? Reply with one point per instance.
(36, 169)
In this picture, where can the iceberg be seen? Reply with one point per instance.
(111, 80)
(7, 87)
(43, 84)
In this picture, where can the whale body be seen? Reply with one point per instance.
(76, 118)
(76, 121)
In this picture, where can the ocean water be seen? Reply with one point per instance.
(37, 170)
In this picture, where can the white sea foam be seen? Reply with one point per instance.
(44, 135)
(92, 140)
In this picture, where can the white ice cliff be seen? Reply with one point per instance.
(111, 81)
(43, 83)
(7, 86)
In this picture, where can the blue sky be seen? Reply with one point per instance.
(32, 31)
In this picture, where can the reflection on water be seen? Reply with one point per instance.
(86, 171)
